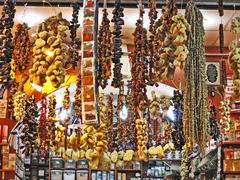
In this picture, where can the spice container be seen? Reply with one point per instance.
(57, 163)
(56, 174)
(69, 175)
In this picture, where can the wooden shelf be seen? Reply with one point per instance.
(7, 170)
(235, 111)
(164, 159)
(230, 143)
(129, 170)
(231, 172)
(69, 169)
(4, 144)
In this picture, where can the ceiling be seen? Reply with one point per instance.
(34, 15)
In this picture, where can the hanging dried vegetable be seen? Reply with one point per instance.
(50, 52)
(164, 56)
(185, 162)
(87, 139)
(179, 30)
(21, 44)
(78, 99)
(66, 99)
(30, 130)
(104, 51)
(225, 120)
(235, 25)
(51, 119)
(155, 116)
(195, 116)
(177, 133)
(75, 44)
(13, 90)
(110, 122)
(234, 56)
(142, 138)
(19, 99)
(120, 138)
(6, 48)
(139, 67)
(139, 73)
(117, 42)
(214, 125)
(42, 135)
(153, 43)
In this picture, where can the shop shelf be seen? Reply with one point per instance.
(7, 170)
(129, 170)
(231, 172)
(3, 144)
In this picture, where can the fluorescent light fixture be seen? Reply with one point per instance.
(124, 113)
(170, 113)
(36, 87)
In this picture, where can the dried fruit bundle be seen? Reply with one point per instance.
(51, 119)
(214, 125)
(153, 43)
(117, 42)
(142, 138)
(66, 99)
(225, 120)
(78, 99)
(6, 48)
(42, 127)
(104, 51)
(185, 162)
(110, 122)
(177, 133)
(235, 25)
(234, 60)
(120, 137)
(30, 131)
(75, 44)
(195, 116)
(13, 90)
(139, 67)
(50, 51)
(164, 55)
(19, 99)
(21, 44)
(179, 30)
(88, 138)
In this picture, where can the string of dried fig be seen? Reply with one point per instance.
(75, 44)
(6, 24)
(117, 42)
(104, 51)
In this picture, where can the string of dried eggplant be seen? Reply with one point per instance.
(214, 125)
(21, 52)
(6, 47)
(177, 133)
(195, 116)
(104, 51)
(117, 81)
(30, 131)
(75, 44)
(66, 99)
